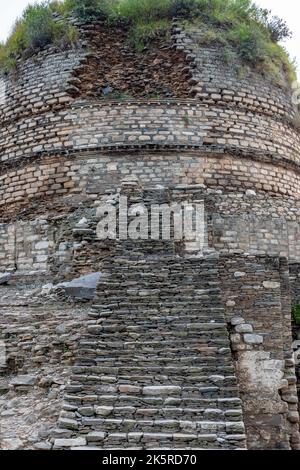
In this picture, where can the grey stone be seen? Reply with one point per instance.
(239, 274)
(79, 441)
(103, 410)
(86, 411)
(43, 446)
(244, 328)
(237, 321)
(250, 192)
(253, 339)
(68, 423)
(96, 436)
(161, 390)
(271, 285)
(83, 288)
(24, 380)
(5, 278)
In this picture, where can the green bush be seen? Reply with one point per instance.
(296, 313)
(138, 11)
(36, 29)
(40, 29)
(90, 10)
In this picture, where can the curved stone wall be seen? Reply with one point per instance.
(215, 79)
(234, 134)
(40, 84)
(91, 174)
(166, 124)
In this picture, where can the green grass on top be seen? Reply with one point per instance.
(36, 29)
(239, 25)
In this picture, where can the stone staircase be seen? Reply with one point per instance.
(154, 369)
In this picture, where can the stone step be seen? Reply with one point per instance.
(161, 335)
(147, 379)
(185, 398)
(121, 344)
(168, 371)
(179, 305)
(204, 413)
(154, 368)
(199, 312)
(121, 399)
(131, 362)
(148, 328)
(221, 355)
(134, 360)
(133, 319)
(156, 425)
(153, 440)
(101, 351)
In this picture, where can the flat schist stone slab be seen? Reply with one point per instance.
(83, 288)
(24, 381)
(5, 278)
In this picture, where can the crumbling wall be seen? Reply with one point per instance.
(39, 341)
(295, 282)
(256, 294)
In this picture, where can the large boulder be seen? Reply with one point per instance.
(83, 288)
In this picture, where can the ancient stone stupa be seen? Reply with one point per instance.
(165, 341)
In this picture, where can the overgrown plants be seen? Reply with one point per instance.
(238, 25)
(296, 314)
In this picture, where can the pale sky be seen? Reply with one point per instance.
(289, 10)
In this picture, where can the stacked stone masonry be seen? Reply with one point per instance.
(177, 351)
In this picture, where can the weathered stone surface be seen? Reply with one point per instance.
(253, 339)
(271, 285)
(82, 288)
(96, 436)
(161, 390)
(103, 410)
(156, 353)
(237, 321)
(5, 278)
(24, 380)
(79, 441)
(244, 328)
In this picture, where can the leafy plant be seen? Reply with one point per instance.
(296, 313)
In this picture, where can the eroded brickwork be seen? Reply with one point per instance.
(222, 364)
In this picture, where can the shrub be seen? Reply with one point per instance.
(185, 9)
(40, 27)
(143, 11)
(296, 313)
(90, 10)
(36, 29)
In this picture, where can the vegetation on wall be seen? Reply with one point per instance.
(296, 314)
(236, 24)
(36, 29)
